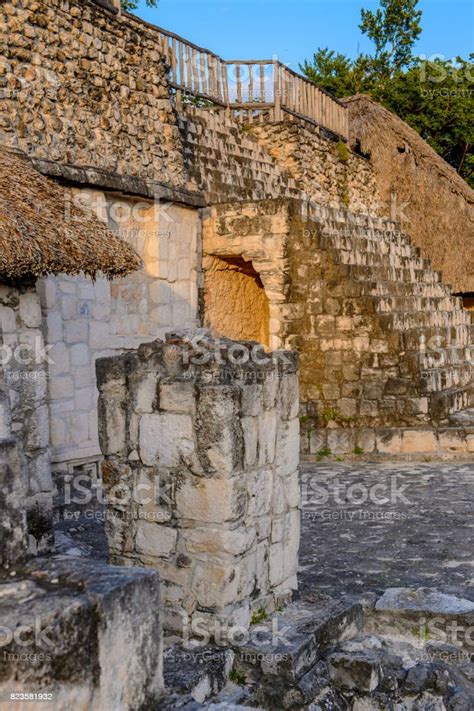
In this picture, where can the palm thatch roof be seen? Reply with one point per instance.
(434, 205)
(42, 230)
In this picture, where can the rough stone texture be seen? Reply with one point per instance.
(13, 487)
(24, 370)
(210, 502)
(430, 200)
(76, 77)
(411, 444)
(235, 300)
(382, 341)
(225, 162)
(368, 527)
(86, 320)
(326, 171)
(90, 634)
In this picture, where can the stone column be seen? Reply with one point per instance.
(201, 444)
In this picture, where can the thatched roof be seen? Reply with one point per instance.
(43, 231)
(434, 204)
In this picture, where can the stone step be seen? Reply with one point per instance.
(374, 259)
(196, 672)
(400, 289)
(431, 338)
(450, 402)
(408, 611)
(410, 304)
(408, 276)
(436, 358)
(361, 242)
(280, 660)
(446, 378)
(403, 321)
(464, 418)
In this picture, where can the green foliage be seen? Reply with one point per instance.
(258, 616)
(393, 29)
(324, 452)
(343, 151)
(133, 4)
(435, 97)
(329, 414)
(358, 450)
(237, 677)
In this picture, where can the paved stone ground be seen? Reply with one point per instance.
(367, 527)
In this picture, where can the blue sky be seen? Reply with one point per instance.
(293, 29)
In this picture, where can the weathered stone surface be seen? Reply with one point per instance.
(165, 439)
(204, 487)
(13, 487)
(94, 631)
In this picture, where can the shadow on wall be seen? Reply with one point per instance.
(236, 305)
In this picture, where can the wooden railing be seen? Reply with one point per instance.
(252, 90)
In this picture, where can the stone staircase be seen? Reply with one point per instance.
(435, 334)
(406, 649)
(226, 163)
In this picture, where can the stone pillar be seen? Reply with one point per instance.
(201, 444)
(13, 531)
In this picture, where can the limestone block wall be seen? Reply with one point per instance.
(201, 445)
(382, 342)
(13, 488)
(24, 365)
(327, 171)
(85, 320)
(84, 87)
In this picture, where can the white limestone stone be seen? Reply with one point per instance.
(153, 539)
(30, 309)
(165, 439)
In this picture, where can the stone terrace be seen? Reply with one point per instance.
(421, 536)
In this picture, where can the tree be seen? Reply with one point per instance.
(394, 29)
(436, 98)
(133, 4)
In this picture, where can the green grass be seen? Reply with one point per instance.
(237, 677)
(258, 616)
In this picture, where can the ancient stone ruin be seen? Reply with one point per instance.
(209, 270)
(201, 446)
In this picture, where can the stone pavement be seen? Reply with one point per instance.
(371, 526)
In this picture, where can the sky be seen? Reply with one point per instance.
(293, 29)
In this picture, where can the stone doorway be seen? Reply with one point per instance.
(235, 302)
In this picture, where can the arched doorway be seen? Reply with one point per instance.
(235, 303)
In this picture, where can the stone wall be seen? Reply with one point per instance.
(201, 441)
(327, 171)
(84, 87)
(25, 363)
(382, 342)
(13, 488)
(86, 320)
